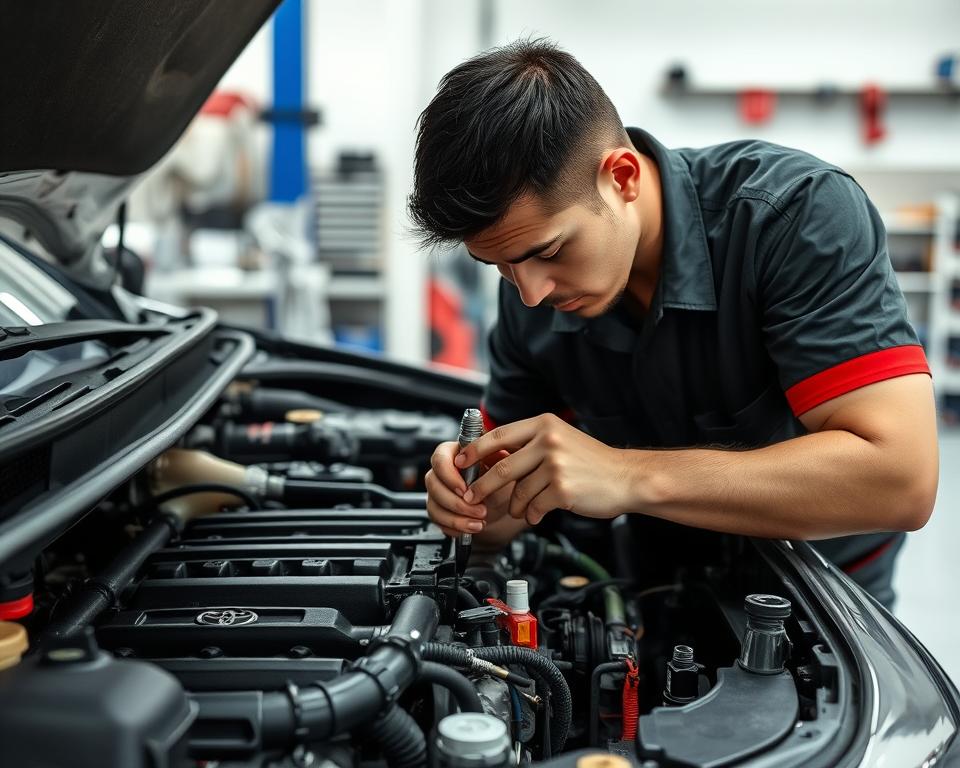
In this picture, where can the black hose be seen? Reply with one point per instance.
(544, 729)
(416, 618)
(102, 591)
(326, 709)
(466, 597)
(447, 653)
(400, 738)
(593, 728)
(560, 691)
(188, 490)
(462, 689)
(460, 656)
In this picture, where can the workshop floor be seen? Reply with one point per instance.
(928, 571)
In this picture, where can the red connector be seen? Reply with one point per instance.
(522, 627)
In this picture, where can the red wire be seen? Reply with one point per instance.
(631, 703)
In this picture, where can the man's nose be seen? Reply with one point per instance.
(533, 284)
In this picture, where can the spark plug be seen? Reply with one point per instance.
(471, 427)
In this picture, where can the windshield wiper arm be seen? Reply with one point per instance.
(16, 340)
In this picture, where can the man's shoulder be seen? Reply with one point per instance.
(723, 173)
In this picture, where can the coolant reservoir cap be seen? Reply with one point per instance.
(13, 643)
(767, 606)
(473, 734)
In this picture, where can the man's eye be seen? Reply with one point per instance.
(552, 255)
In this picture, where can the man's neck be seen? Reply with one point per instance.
(645, 272)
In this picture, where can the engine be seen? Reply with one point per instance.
(273, 593)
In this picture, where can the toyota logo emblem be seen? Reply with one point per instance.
(227, 617)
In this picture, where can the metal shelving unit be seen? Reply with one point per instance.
(944, 318)
(932, 252)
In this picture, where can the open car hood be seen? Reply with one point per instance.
(94, 94)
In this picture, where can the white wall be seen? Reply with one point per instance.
(374, 65)
(252, 72)
(628, 46)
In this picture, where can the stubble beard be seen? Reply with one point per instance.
(614, 301)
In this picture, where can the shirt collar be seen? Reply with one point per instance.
(686, 276)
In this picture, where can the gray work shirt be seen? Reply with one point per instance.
(776, 294)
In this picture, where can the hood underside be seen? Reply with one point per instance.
(94, 94)
(108, 86)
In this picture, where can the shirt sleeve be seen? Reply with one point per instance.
(833, 316)
(516, 389)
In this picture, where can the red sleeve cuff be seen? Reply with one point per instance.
(488, 424)
(853, 374)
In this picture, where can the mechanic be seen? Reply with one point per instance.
(723, 324)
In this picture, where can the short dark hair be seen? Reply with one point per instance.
(523, 118)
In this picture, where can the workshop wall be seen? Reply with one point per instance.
(740, 43)
(364, 54)
(374, 64)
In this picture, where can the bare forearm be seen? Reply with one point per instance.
(820, 485)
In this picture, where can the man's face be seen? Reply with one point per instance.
(575, 260)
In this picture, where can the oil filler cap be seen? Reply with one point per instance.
(303, 415)
(767, 606)
(765, 646)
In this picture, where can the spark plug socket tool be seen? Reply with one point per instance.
(471, 427)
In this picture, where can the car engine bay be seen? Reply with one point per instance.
(272, 592)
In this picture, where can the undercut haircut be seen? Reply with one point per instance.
(525, 118)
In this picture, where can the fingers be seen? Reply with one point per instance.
(451, 523)
(510, 437)
(447, 500)
(442, 464)
(513, 467)
(489, 461)
(449, 511)
(525, 491)
(539, 505)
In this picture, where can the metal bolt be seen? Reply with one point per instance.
(682, 654)
(535, 700)
(302, 757)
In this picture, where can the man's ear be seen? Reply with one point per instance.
(622, 165)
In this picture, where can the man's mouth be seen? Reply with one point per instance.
(568, 305)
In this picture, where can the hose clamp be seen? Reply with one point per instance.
(382, 675)
(300, 731)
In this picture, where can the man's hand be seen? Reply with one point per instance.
(551, 465)
(445, 488)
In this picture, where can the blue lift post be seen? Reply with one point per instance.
(288, 169)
